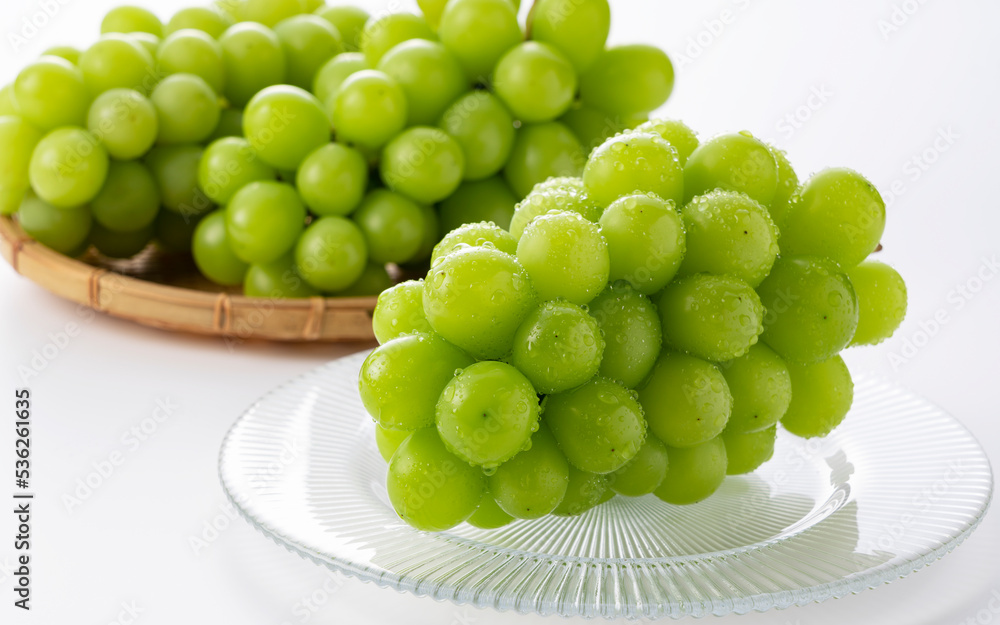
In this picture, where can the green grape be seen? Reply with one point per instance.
(822, 394)
(812, 309)
(333, 179)
(760, 387)
(628, 79)
(206, 19)
(332, 75)
(264, 220)
(68, 167)
(479, 33)
(271, 12)
(130, 19)
(534, 482)
(349, 22)
(309, 41)
(402, 381)
(175, 168)
(370, 109)
(729, 234)
(489, 200)
(788, 184)
(566, 256)
(392, 224)
(254, 60)
(150, 43)
(558, 347)
(746, 452)
(881, 295)
(716, 318)
(192, 51)
(385, 32)
(227, 166)
(584, 492)
(646, 241)
(734, 162)
(69, 53)
(400, 310)
(477, 298)
(314, 5)
(545, 199)
(8, 105)
(487, 413)
(607, 496)
(432, 234)
(423, 163)
(277, 280)
(118, 62)
(62, 229)
(676, 133)
(129, 200)
(388, 441)
(634, 163)
(174, 232)
(599, 426)
(230, 125)
(125, 121)
(686, 400)
(187, 110)
(285, 124)
(542, 151)
(113, 244)
(374, 279)
(430, 76)
(694, 473)
(591, 126)
(233, 9)
(483, 234)
(11, 198)
(837, 214)
(331, 254)
(51, 93)
(430, 488)
(632, 334)
(644, 473)
(579, 30)
(19, 139)
(489, 515)
(535, 81)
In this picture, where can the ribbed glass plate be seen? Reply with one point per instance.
(896, 487)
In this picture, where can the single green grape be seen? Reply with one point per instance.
(349, 22)
(175, 168)
(788, 184)
(632, 334)
(423, 163)
(479, 33)
(489, 515)
(369, 109)
(837, 214)
(19, 140)
(333, 179)
(51, 93)
(634, 163)
(271, 12)
(543, 151)
(484, 129)
(285, 124)
(130, 19)
(534, 482)
(558, 347)
(309, 41)
(566, 256)
(430, 488)
(254, 60)
(583, 492)
(402, 381)
(279, 279)
(476, 298)
(213, 254)
(578, 31)
(644, 473)
(761, 389)
(543, 200)
(599, 426)
(399, 311)
(11, 199)
(483, 234)
(432, 234)
(686, 400)
(68, 167)
(388, 441)
(187, 110)
(676, 133)
(475, 201)
(118, 62)
(69, 53)
(716, 318)
(812, 309)
(208, 20)
(374, 279)
(733, 162)
(593, 127)
(881, 295)
(430, 75)
(628, 79)
(535, 81)
(227, 166)
(822, 394)
(729, 234)
(195, 52)
(113, 244)
(387, 30)
(392, 224)
(62, 229)
(230, 124)
(129, 200)
(125, 121)
(746, 452)
(646, 241)
(331, 254)
(264, 221)
(173, 232)
(694, 472)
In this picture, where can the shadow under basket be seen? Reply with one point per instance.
(164, 290)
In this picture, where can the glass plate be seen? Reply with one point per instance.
(896, 487)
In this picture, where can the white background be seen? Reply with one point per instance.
(888, 95)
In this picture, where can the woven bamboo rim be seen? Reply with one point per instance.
(179, 300)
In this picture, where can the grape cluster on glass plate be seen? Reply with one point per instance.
(642, 329)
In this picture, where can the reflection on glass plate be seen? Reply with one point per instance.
(896, 487)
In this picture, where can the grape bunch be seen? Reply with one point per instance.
(642, 329)
(300, 149)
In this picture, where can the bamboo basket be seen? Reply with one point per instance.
(166, 291)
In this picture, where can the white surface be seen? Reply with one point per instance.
(889, 97)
